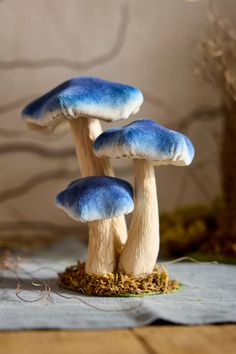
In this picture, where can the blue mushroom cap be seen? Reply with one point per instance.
(96, 198)
(84, 96)
(145, 139)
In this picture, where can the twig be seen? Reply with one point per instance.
(74, 64)
(199, 184)
(203, 114)
(157, 101)
(33, 182)
(35, 148)
(11, 106)
(20, 133)
(35, 226)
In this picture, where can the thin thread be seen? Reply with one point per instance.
(191, 259)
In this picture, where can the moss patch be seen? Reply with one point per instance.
(196, 229)
(116, 284)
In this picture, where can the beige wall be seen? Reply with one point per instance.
(154, 54)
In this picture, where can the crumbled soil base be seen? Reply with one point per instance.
(116, 284)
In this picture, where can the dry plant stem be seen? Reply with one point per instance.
(101, 256)
(228, 167)
(141, 250)
(85, 131)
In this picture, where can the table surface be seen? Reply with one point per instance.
(160, 339)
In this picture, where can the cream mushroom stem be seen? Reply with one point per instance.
(101, 256)
(85, 131)
(141, 250)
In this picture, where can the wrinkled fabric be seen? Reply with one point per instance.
(208, 295)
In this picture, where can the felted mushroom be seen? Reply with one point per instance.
(83, 101)
(149, 144)
(97, 200)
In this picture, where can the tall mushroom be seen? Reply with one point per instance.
(97, 200)
(83, 101)
(149, 144)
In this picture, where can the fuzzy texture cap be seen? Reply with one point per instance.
(96, 198)
(83, 96)
(148, 140)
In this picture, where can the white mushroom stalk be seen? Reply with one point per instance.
(84, 101)
(142, 248)
(97, 200)
(148, 143)
(101, 258)
(85, 131)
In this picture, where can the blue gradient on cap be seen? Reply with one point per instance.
(96, 197)
(146, 139)
(80, 93)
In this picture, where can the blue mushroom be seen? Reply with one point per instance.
(148, 144)
(83, 101)
(84, 97)
(145, 139)
(97, 200)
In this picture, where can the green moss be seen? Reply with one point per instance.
(118, 283)
(195, 228)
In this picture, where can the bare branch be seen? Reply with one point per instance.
(191, 172)
(157, 101)
(203, 114)
(182, 188)
(18, 103)
(35, 226)
(12, 133)
(35, 181)
(33, 148)
(200, 185)
(20, 133)
(74, 64)
(215, 61)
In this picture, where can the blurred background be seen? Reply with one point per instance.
(152, 44)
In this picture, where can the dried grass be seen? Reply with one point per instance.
(118, 283)
(217, 49)
(9, 261)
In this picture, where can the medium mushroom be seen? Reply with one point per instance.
(97, 200)
(83, 101)
(149, 144)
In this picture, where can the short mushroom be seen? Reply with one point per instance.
(83, 101)
(149, 144)
(97, 200)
